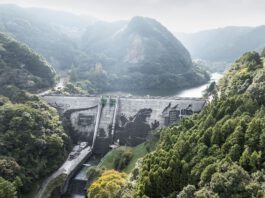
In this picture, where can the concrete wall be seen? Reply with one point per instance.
(84, 128)
(128, 107)
(134, 116)
(131, 106)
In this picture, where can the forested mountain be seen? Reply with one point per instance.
(217, 153)
(139, 54)
(223, 44)
(123, 55)
(136, 45)
(53, 34)
(32, 139)
(23, 68)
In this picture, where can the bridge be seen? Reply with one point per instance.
(104, 121)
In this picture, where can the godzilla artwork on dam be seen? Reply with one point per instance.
(127, 120)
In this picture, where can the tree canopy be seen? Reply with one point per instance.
(217, 153)
(22, 67)
(108, 185)
(32, 141)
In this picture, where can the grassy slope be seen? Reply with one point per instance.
(138, 152)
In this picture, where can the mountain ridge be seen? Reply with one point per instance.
(141, 47)
(123, 55)
(223, 44)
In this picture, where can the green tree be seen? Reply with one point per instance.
(93, 173)
(9, 169)
(108, 185)
(32, 141)
(123, 158)
(7, 189)
(187, 192)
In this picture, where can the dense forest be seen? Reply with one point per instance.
(32, 140)
(217, 153)
(22, 68)
(32, 143)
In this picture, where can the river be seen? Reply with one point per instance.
(190, 92)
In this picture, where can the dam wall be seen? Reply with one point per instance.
(123, 119)
(112, 121)
(160, 108)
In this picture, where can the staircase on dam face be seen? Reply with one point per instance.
(107, 114)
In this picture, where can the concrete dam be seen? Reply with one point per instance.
(124, 119)
(102, 122)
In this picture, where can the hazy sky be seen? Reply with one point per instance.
(177, 15)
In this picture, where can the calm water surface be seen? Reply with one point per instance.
(198, 91)
(190, 92)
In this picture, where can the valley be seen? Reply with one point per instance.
(129, 108)
(149, 114)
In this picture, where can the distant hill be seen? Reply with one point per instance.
(138, 54)
(22, 67)
(123, 55)
(51, 33)
(223, 44)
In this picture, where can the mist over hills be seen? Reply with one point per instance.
(218, 152)
(103, 55)
(223, 44)
(137, 42)
(140, 53)
(135, 54)
(51, 33)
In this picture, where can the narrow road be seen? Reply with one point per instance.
(59, 85)
(66, 168)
